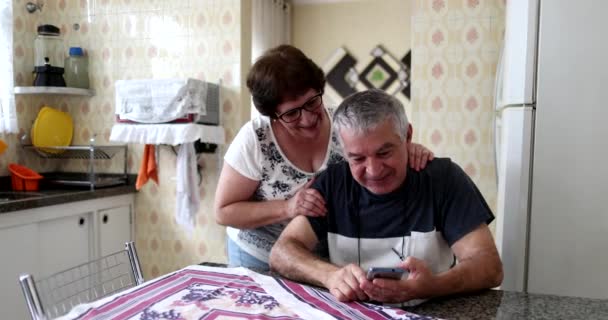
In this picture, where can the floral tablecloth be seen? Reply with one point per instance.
(200, 292)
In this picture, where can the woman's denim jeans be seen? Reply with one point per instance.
(237, 257)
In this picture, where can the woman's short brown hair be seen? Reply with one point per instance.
(281, 74)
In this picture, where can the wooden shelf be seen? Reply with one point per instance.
(55, 90)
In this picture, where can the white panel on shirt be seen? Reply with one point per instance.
(427, 246)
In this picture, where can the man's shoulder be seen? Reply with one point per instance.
(441, 171)
(439, 166)
(337, 167)
(337, 170)
(335, 176)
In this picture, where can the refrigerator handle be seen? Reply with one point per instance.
(497, 109)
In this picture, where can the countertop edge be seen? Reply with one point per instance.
(55, 197)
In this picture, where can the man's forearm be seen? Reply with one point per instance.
(294, 261)
(480, 272)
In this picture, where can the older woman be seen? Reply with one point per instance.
(273, 159)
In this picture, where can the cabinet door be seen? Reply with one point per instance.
(19, 248)
(64, 243)
(114, 229)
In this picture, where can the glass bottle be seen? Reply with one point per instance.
(48, 47)
(76, 69)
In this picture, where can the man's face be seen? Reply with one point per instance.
(377, 158)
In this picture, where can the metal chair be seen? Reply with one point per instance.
(57, 294)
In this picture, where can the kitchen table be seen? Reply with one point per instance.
(203, 292)
(211, 291)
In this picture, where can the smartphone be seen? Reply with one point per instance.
(387, 273)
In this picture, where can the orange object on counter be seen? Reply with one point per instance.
(148, 167)
(23, 178)
(3, 146)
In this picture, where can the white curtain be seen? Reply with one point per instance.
(270, 27)
(8, 114)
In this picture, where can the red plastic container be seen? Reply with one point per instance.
(23, 178)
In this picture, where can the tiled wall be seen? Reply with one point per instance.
(455, 49)
(130, 39)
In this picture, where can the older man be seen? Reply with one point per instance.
(431, 223)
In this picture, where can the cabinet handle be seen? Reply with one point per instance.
(105, 218)
(81, 221)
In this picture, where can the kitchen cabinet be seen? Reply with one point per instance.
(46, 240)
(114, 229)
(17, 246)
(63, 243)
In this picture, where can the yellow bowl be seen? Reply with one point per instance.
(52, 128)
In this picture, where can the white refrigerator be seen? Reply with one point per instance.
(551, 131)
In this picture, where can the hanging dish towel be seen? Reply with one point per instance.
(188, 197)
(148, 168)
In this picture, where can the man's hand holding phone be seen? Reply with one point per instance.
(416, 282)
(345, 283)
(386, 273)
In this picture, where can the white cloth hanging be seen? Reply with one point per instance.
(173, 134)
(8, 112)
(188, 198)
(271, 25)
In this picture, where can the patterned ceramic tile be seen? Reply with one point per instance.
(129, 39)
(455, 49)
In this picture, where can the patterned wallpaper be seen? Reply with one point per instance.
(455, 48)
(130, 39)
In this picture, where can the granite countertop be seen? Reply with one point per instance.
(504, 305)
(47, 196)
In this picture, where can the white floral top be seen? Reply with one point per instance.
(255, 154)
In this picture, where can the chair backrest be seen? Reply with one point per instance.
(57, 294)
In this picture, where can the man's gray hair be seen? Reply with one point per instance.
(363, 111)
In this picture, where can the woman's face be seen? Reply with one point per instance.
(308, 124)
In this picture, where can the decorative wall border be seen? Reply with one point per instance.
(383, 71)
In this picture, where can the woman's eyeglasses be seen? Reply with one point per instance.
(294, 114)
